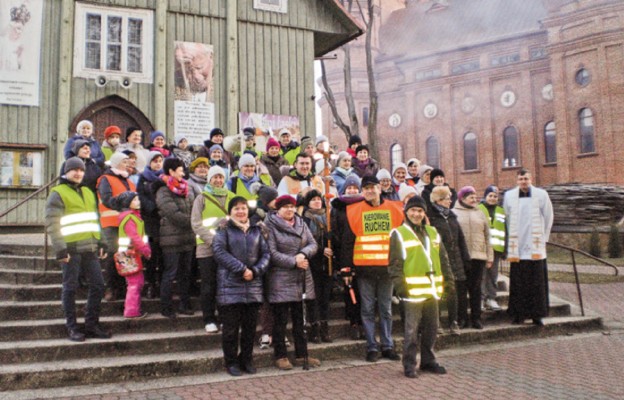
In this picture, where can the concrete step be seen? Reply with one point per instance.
(27, 263)
(24, 246)
(28, 292)
(88, 370)
(30, 277)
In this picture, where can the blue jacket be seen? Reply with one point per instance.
(235, 250)
(96, 150)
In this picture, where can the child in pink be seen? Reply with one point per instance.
(132, 237)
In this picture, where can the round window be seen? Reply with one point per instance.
(583, 77)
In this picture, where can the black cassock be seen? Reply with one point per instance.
(528, 289)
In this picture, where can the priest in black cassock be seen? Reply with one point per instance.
(529, 218)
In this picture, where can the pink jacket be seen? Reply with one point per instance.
(135, 239)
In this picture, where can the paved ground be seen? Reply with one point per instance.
(587, 366)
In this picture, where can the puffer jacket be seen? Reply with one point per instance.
(285, 280)
(453, 239)
(476, 229)
(273, 166)
(235, 250)
(176, 233)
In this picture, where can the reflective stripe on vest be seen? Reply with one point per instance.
(372, 226)
(241, 189)
(80, 221)
(497, 227)
(109, 217)
(421, 263)
(124, 242)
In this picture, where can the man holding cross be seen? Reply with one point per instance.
(529, 218)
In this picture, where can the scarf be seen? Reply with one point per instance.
(177, 187)
(538, 242)
(361, 164)
(215, 191)
(151, 175)
(443, 210)
(120, 172)
(242, 226)
(343, 172)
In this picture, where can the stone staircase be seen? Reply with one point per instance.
(34, 351)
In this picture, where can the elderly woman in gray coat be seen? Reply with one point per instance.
(291, 245)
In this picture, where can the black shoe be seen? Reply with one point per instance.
(390, 354)
(96, 332)
(372, 356)
(75, 335)
(538, 322)
(169, 314)
(410, 374)
(233, 370)
(433, 368)
(249, 368)
(516, 321)
(477, 324)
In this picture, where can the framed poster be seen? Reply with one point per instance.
(21, 167)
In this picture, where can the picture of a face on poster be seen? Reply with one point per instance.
(15, 18)
(194, 64)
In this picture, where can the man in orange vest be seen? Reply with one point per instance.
(110, 185)
(370, 223)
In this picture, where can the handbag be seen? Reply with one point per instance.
(126, 263)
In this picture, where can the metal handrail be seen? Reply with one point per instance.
(45, 188)
(573, 250)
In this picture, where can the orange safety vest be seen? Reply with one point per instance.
(109, 217)
(372, 227)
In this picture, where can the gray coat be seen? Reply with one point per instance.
(284, 280)
(176, 233)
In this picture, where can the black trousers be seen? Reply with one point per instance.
(208, 291)
(238, 317)
(280, 319)
(322, 290)
(470, 288)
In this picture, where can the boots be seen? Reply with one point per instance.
(325, 338)
(313, 334)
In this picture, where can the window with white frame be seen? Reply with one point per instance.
(396, 155)
(114, 42)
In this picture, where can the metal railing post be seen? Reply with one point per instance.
(578, 284)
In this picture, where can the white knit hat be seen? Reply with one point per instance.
(117, 158)
(405, 190)
(246, 159)
(383, 174)
(215, 170)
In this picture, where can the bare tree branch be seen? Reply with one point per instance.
(351, 110)
(372, 88)
(331, 100)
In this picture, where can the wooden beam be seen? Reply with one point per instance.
(231, 29)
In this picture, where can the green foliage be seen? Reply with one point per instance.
(594, 244)
(615, 243)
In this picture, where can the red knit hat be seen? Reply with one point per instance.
(272, 142)
(111, 130)
(284, 200)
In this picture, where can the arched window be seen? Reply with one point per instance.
(470, 151)
(432, 147)
(586, 125)
(396, 155)
(510, 147)
(550, 142)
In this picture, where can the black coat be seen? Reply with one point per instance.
(234, 251)
(342, 236)
(149, 209)
(453, 239)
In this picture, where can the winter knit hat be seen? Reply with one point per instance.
(383, 174)
(266, 194)
(416, 201)
(236, 200)
(342, 155)
(399, 166)
(111, 130)
(246, 159)
(129, 131)
(73, 163)
(78, 144)
(284, 200)
(405, 190)
(310, 195)
(352, 180)
(423, 170)
(216, 131)
(435, 173)
(197, 161)
(355, 139)
(126, 198)
(117, 158)
(320, 139)
(272, 143)
(412, 161)
(305, 142)
(439, 193)
(215, 147)
(465, 191)
(156, 134)
(284, 131)
(215, 170)
(490, 189)
(151, 155)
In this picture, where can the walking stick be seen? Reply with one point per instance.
(305, 323)
(328, 196)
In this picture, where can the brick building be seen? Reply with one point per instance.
(485, 87)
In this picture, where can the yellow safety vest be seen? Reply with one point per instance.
(124, 241)
(81, 220)
(497, 227)
(211, 214)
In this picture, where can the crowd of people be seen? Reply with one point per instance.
(271, 232)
